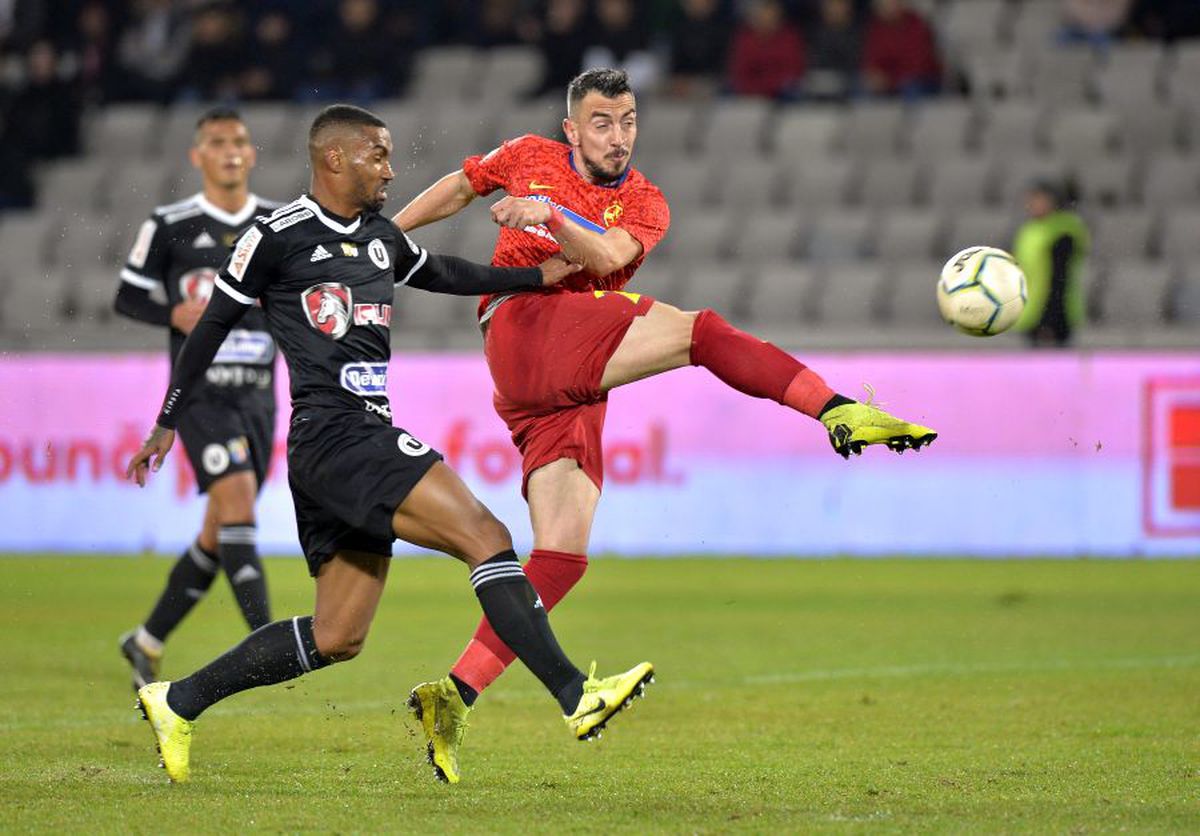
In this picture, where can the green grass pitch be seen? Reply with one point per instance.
(792, 696)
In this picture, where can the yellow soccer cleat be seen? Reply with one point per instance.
(443, 716)
(854, 426)
(172, 733)
(603, 698)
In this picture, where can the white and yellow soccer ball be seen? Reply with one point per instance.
(981, 291)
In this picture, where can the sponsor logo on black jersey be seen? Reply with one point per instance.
(327, 306)
(365, 379)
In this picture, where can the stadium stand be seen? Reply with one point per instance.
(834, 218)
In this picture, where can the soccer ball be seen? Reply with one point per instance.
(981, 291)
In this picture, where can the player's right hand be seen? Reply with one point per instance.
(154, 451)
(556, 268)
(185, 315)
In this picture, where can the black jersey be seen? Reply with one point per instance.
(179, 248)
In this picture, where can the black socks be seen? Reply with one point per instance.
(275, 653)
(188, 582)
(238, 547)
(836, 400)
(516, 614)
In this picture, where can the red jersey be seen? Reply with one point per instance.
(541, 169)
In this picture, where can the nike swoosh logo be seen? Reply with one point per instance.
(535, 185)
(600, 706)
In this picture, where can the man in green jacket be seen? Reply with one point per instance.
(1051, 248)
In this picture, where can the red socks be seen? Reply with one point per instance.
(755, 367)
(552, 574)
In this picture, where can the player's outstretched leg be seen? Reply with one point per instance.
(189, 581)
(349, 586)
(441, 513)
(667, 338)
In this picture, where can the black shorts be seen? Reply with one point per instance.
(349, 471)
(228, 431)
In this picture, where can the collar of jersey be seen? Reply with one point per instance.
(345, 229)
(616, 184)
(231, 218)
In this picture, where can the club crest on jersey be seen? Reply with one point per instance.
(197, 285)
(379, 254)
(327, 307)
(612, 213)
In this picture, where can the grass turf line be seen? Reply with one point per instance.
(792, 695)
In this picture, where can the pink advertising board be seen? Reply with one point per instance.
(1058, 454)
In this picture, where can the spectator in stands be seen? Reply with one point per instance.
(1168, 20)
(619, 40)
(1051, 247)
(767, 57)
(834, 52)
(900, 55)
(494, 23)
(217, 56)
(699, 40)
(93, 44)
(368, 62)
(1093, 22)
(273, 59)
(150, 51)
(561, 35)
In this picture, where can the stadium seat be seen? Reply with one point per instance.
(1181, 241)
(1149, 128)
(1011, 128)
(874, 128)
(908, 294)
(767, 235)
(955, 183)
(1061, 75)
(32, 301)
(177, 130)
(140, 184)
(1036, 24)
(803, 135)
(542, 117)
(666, 128)
(697, 236)
(684, 183)
(26, 239)
(1185, 302)
(1083, 133)
(1107, 182)
(783, 294)
(123, 131)
(432, 312)
(735, 128)
(889, 183)
(283, 182)
(454, 131)
(850, 295)
(940, 129)
(72, 184)
(907, 235)
(839, 235)
(1016, 175)
(476, 239)
(1130, 73)
(1122, 234)
(822, 182)
(968, 27)
(720, 287)
(447, 73)
(1182, 89)
(1136, 293)
(276, 130)
(509, 71)
(82, 243)
(994, 74)
(752, 183)
(974, 227)
(1171, 181)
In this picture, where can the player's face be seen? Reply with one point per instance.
(602, 132)
(223, 153)
(371, 169)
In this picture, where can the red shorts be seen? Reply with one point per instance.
(547, 354)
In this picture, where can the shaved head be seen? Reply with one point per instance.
(339, 123)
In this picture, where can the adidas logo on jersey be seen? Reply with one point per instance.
(203, 240)
(320, 254)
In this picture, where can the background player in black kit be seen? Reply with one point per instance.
(228, 422)
(325, 269)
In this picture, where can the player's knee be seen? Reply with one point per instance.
(484, 536)
(339, 644)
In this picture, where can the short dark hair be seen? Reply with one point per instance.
(606, 81)
(343, 114)
(220, 113)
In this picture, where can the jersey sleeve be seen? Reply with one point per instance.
(647, 217)
(492, 170)
(146, 265)
(251, 266)
(410, 257)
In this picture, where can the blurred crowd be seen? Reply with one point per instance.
(59, 58)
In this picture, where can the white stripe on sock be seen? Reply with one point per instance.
(301, 654)
(492, 573)
(147, 642)
(206, 563)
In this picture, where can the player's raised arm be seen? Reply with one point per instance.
(444, 198)
(598, 253)
(237, 285)
(456, 276)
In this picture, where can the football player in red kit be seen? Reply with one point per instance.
(555, 355)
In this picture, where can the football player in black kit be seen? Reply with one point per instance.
(325, 269)
(228, 422)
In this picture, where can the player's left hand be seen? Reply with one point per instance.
(155, 447)
(519, 212)
(556, 268)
